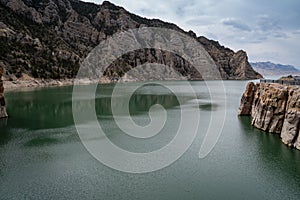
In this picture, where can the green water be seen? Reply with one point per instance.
(42, 157)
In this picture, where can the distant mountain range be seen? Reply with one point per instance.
(271, 69)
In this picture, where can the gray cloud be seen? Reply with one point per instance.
(203, 20)
(280, 35)
(235, 24)
(266, 23)
(296, 32)
(269, 26)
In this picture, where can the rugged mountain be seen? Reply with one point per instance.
(232, 65)
(50, 38)
(274, 108)
(271, 69)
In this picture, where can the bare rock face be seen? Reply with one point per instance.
(232, 65)
(2, 101)
(240, 67)
(269, 107)
(290, 129)
(274, 108)
(247, 99)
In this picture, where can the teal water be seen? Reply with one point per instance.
(42, 157)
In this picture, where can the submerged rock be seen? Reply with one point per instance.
(274, 108)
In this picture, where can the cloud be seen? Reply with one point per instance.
(202, 20)
(296, 32)
(280, 34)
(235, 23)
(266, 23)
(269, 26)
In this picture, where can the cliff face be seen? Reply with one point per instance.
(232, 65)
(2, 101)
(274, 108)
(49, 39)
(291, 125)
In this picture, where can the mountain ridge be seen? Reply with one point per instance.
(50, 38)
(271, 69)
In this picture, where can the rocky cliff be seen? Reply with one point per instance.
(49, 39)
(2, 101)
(274, 108)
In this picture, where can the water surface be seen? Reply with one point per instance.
(41, 156)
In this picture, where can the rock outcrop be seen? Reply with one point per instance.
(291, 125)
(274, 108)
(232, 65)
(2, 100)
(49, 39)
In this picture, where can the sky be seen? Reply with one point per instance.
(268, 30)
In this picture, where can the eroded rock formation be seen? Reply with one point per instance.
(274, 108)
(2, 101)
(290, 129)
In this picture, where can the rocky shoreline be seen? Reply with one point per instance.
(21, 84)
(274, 108)
(40, 83)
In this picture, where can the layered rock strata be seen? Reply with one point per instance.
(274, 108)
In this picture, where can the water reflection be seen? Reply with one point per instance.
(277, 157)
(41, 141)
(209, 106)
(4, 136)
(52, 108)
(40, 109)
(139, 103)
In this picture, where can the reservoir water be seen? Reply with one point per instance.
(42, 156)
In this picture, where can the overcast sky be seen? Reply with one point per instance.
(269, 30)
